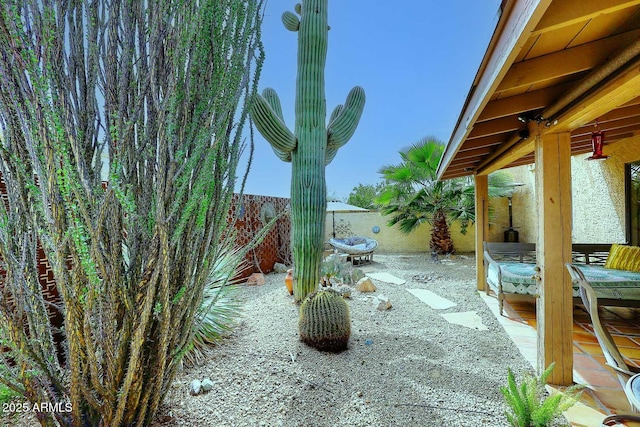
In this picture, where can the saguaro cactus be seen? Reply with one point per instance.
(312, 145)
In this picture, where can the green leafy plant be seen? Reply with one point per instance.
(365, 195)
(220, 308)
(6, 394)
(529, 403)
(154, 97)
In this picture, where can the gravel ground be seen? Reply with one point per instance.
(406, 366)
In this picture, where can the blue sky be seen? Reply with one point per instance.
(416, 61)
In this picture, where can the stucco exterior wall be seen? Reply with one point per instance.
(524, 204)
(499, 215)
(598, 196)
(390, 239)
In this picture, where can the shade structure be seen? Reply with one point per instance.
(344, 207)
(334, 207)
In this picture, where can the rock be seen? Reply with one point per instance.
(365, 285)
(382, 302)
(356, 275)
(256, 279)
(278, 267)
(195, 387)
(344, 290)
(207, 385)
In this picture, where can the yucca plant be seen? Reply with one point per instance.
(220, 308)
(529, 403)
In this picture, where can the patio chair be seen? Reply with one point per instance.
(611, 353)
(358, 249)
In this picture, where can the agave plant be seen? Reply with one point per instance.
(221, 307)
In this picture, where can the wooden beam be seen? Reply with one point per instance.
(607, 97)
(529, 101)
(455, 174)
(609, 137)
(477, 153)
(569, 12)
(464, 164)
(526, 160)
(495, 127)
(482, 226)
(554, 308)
(509, 152)
(610, 128)
(623, 112)
(565, 62)
(487, 141)
(511, 36)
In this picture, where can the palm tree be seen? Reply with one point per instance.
(414, 195)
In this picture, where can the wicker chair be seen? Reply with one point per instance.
(358, 249)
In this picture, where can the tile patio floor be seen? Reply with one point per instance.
(603, 394)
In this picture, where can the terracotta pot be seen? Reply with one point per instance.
(288, 281)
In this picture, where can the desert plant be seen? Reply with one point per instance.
(529, 403)
(220, 308)
(413, 195)
(325, 323)
(312, 145)
(156, 95)
(333, 267)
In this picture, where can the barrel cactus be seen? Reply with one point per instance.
(324, 322)
(312, 145)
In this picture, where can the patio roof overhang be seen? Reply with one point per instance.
(551, 66)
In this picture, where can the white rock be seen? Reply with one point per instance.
(382, 302)
(280, 268)
(207, 385)
(195, 387)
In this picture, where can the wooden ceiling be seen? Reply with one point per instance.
(552, 66)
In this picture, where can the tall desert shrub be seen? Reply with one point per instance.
(155, 95)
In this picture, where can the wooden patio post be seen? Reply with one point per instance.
(554, 310)
(482, 225)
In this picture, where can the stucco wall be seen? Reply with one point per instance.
(598, 196)
(391, 239)
(524, 205)
(499, 215)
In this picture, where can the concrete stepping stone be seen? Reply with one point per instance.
(432, 299)
(387, 278)
(469, 319)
